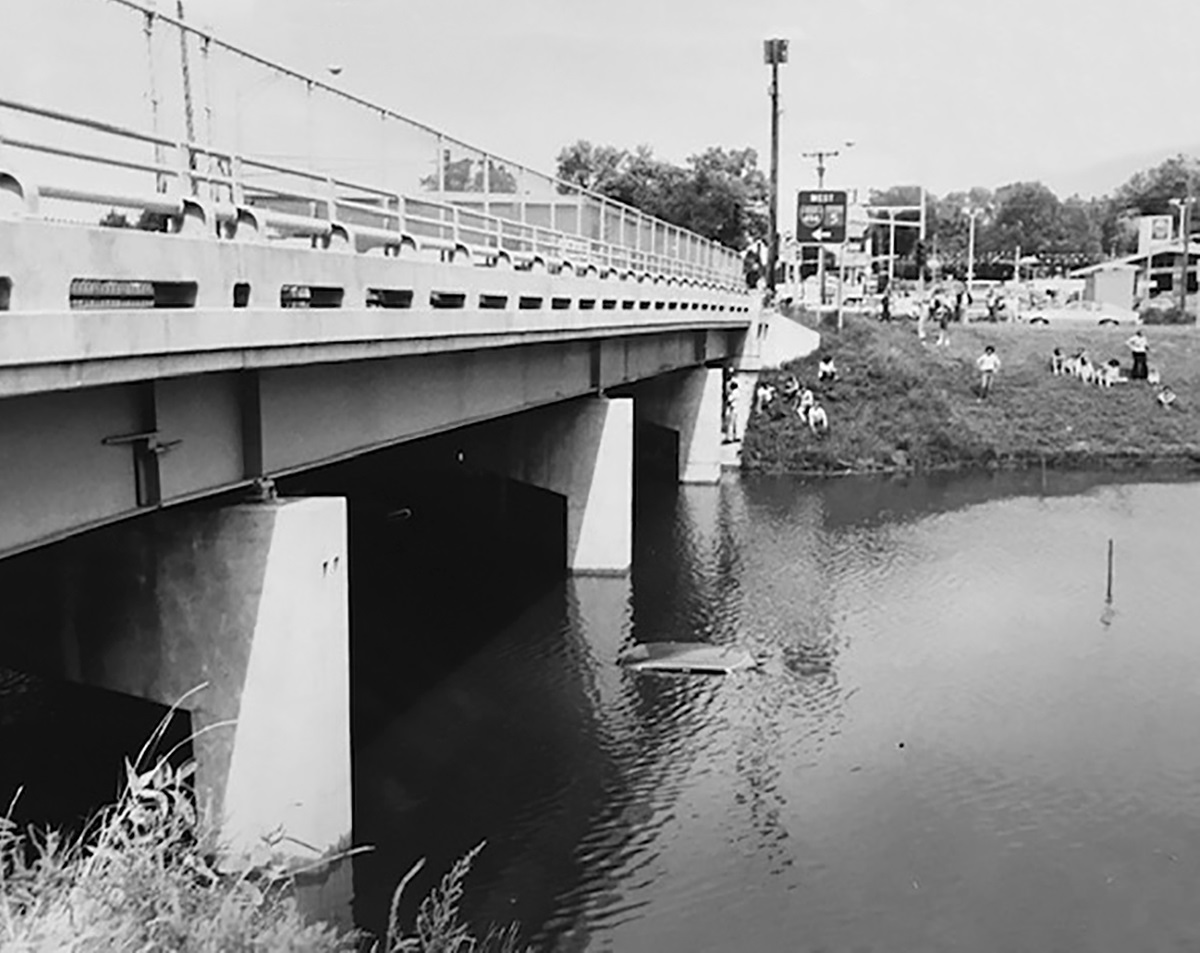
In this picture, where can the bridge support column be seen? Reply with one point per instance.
(583, 450)
(252, 599)
(591, 461)
(690, 403)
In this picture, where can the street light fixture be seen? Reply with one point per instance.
(821, 155)
(1184, 206)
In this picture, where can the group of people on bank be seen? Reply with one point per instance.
(1081, 366)
(795, 397)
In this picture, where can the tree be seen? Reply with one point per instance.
(589, 166)
(1081, 230)
(466, 175)
(1028, 216)
(1150, 192)
(147, 221)
(725, 197)
(720, 194)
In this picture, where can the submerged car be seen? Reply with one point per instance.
(1081, 314)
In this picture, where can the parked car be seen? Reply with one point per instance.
(1080, 313)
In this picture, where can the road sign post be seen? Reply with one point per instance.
(821, 217)
(821, 220)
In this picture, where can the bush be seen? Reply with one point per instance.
(1172, 315)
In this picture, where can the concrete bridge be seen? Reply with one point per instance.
(279, 319)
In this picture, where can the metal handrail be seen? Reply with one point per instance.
(481, 230)
(313, 82)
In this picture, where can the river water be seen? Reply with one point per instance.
(954, 743)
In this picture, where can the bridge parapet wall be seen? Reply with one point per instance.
(77, 297)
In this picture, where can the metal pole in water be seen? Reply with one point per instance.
(1108, 595)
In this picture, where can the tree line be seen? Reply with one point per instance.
(1029, 217)
(723, 195)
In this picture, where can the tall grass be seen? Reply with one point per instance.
(901, 404)
(148, 874)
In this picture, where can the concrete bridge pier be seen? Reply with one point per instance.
(690, 403)
(583, 450)
(251, 599)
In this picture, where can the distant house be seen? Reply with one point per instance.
(1157, 271)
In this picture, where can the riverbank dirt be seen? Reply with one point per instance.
(900, 404)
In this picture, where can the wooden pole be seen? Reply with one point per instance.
(1108, 595)
(773, 211)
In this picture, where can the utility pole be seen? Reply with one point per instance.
(775, 51)
(972, 213)
(1184, 229)
(821, 155)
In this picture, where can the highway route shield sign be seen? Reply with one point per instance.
(821, 217)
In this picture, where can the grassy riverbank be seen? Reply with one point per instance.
(148, 874)
(900, 403)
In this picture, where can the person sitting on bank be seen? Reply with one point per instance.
(826, 371)
(1166, 397)
(791, 389)
(1138, 347)
(1110, 373)
(818, 420)
(807, 401)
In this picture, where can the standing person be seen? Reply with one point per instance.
(988, 363)
(958, 305)
(730, 428)
(886, 314)
(933, 312)
(1138, 346)
(943, 323)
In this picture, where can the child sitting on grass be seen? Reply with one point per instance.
(1166, 397)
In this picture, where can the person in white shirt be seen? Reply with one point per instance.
(826, 371)
(818, 420)
(807, 400)
(764, 393)
(1110, 373)
(1138, 346)
(988, 363)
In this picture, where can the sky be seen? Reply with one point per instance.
(946, 93)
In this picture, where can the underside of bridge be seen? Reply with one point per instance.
(251, 596)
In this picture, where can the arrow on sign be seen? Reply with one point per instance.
(820, 234)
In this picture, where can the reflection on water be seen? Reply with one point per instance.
(947, 748)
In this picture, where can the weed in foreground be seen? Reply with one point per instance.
(148, 873)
